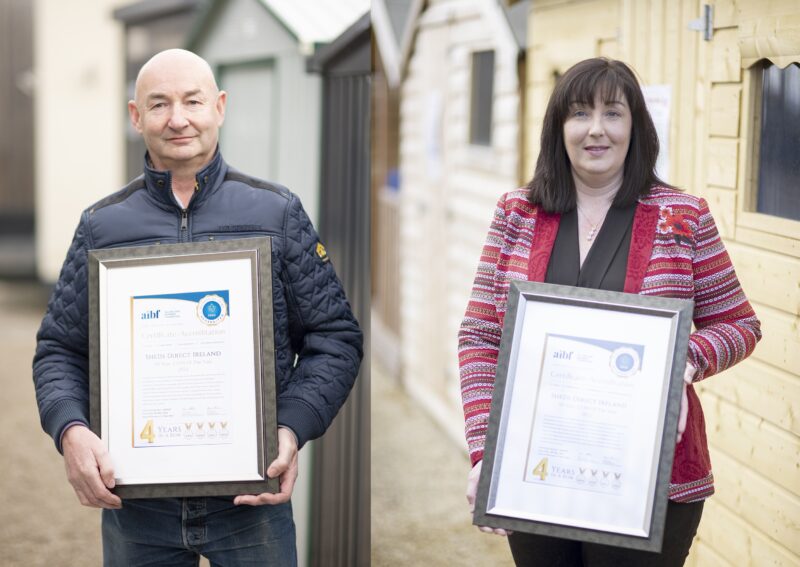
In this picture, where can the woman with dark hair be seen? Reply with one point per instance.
(596, 215)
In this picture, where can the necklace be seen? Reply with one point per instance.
(595, 227)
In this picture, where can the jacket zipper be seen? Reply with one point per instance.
(184, 225)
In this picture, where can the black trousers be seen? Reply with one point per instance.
(531, 550)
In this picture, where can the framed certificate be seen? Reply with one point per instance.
(182, 369)
(584, 415)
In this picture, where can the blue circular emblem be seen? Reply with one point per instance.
(625, 362)
(211, 309)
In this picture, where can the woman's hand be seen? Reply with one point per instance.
(472, 490)
(688, 375)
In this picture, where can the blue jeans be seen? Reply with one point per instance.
(175, 531)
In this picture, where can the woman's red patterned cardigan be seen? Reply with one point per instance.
(675, 251)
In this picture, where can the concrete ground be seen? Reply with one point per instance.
(419, 512)
(41, 521)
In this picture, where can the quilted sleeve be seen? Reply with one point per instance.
(323, 330)
(727, 327)
(61, 364)
(479, 340)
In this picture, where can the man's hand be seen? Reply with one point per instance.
(285, 467)
(89, 468)
(472, 489)
(688, 375)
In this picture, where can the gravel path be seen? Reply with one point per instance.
(419, 513)
(41, 521)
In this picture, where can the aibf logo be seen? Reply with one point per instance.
(563, 354)
(152, 314)
(211, 309)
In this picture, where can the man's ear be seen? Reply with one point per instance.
(222, 99)
(135, 116)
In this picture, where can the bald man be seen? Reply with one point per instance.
(187, 193)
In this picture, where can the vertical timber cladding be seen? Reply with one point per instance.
(561, 34)
(341, 476)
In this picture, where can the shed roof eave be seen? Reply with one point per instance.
(492, 10)
(142, 11)
(316, 62)
(388, 44)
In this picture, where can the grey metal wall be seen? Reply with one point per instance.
(16, 117)
(341, 483)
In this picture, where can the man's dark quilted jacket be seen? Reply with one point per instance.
(318, 345)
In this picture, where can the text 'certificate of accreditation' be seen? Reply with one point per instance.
(181, 387)
(584, 409)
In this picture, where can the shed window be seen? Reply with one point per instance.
(480, 132)
(779, 152)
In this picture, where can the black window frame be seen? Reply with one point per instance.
(778, 156)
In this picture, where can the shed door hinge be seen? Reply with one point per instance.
(704, 23)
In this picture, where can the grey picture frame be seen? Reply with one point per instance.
(259, 252)
(680, 311)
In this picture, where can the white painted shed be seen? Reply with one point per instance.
(258, 51)
(460, 149)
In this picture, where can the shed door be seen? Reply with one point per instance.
(247, 138)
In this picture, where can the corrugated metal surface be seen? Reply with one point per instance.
(317, 21)
(341, 483)
(16, 144)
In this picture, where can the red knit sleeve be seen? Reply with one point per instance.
(727, 327)
(479, 339)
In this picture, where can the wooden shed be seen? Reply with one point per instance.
(729, 71)
(460, 114)
(257, 49)
(389, 19)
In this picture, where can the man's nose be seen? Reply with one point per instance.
(177, 120)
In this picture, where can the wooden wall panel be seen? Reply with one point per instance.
(772, 510)
(726, 59)
(771, 393)
(765, 274)
(721, 161)
(753, 409)
(724, 111)
(734, 539)
(757, 444)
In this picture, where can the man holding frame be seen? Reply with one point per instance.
(189, 194)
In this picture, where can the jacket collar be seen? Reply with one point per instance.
(208, 179)
(642, 233)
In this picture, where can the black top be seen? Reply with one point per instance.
(607, 261)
